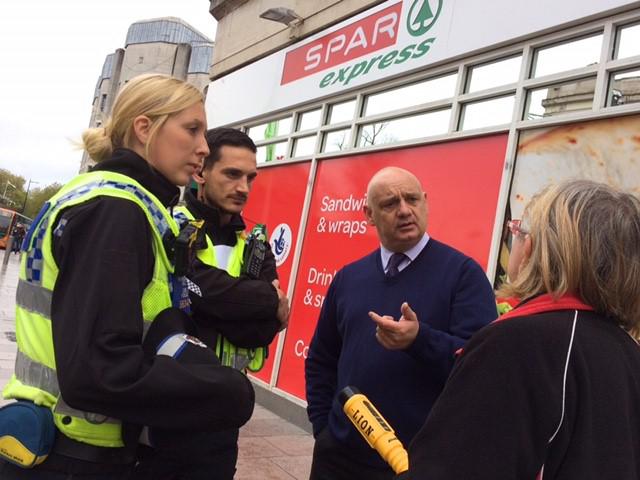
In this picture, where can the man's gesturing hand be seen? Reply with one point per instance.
(398, 335)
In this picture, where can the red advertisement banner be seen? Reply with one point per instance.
(277, 198)
(462, 181)
(373, 33)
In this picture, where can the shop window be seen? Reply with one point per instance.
(493, 74)
(567, 56)
(342, 112)
(407, 128)
(560, 99)
(274, 128)
(487, 113)
(337, 140)
(271, 152)
(411, 95)
(628, 41)
(624, 88)
(308, 120)
(304, 146)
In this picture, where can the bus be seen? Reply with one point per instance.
(8, 219)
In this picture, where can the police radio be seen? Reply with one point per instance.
(182, 248)
(375, 429)
(255, 251)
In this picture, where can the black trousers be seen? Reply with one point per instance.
(196, 456)
(8, 471)
(332, 461)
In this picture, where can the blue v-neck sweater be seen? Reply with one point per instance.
(452, 299)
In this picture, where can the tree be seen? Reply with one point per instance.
(370, 135)
(11, 189)
(37, 198)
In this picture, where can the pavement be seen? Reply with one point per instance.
(270, 448)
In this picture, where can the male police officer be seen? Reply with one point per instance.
(236, 314)
(246, 311)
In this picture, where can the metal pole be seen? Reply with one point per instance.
(7, 250)
(24, 205)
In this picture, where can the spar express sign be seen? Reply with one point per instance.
(354, 51)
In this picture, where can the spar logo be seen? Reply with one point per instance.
(367, 35)
(421, 16)
(360, 42)
(281, 241)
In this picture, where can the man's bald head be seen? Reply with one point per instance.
(397, 207)
(390, 175)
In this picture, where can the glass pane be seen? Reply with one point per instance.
(417, 126)
(494, 74)
(342, 112)
(628, 42)
(560, 99)
(488, 112)
(269, 130)
(274, 151)
(624, 88)
(336, 141)
(304, 146)
(403, 97)
(567, 56)
(310, 120)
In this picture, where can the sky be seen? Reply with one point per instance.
(51, 55)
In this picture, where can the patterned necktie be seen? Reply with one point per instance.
(395, 260)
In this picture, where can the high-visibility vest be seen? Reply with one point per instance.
(251, 359)
(35, 376)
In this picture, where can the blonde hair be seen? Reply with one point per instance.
(586, 241)
(155, 96)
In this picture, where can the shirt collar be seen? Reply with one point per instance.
(412, 253)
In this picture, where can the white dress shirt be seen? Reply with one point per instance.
(411, 254)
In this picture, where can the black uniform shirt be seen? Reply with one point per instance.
(242, 309)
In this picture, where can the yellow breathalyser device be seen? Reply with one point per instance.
(375, 430)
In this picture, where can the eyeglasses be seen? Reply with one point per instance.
(516, 228)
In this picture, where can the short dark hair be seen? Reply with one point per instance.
(219, 137)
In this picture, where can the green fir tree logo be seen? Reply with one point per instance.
(421, 16)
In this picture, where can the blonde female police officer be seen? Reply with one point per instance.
(96, 275)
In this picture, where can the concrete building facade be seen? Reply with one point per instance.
(163, 45)
(239, 45)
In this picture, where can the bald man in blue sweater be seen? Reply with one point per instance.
(442, 297)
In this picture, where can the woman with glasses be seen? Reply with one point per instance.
(552, 389)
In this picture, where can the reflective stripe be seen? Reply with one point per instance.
(172, 346)
(157, 214)
(234, 360)
(62, 408)
(34, 298)
(145, 329)
(35, 260)
(37, 375)
(34, 254)
(179, 217)
(145, 438)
